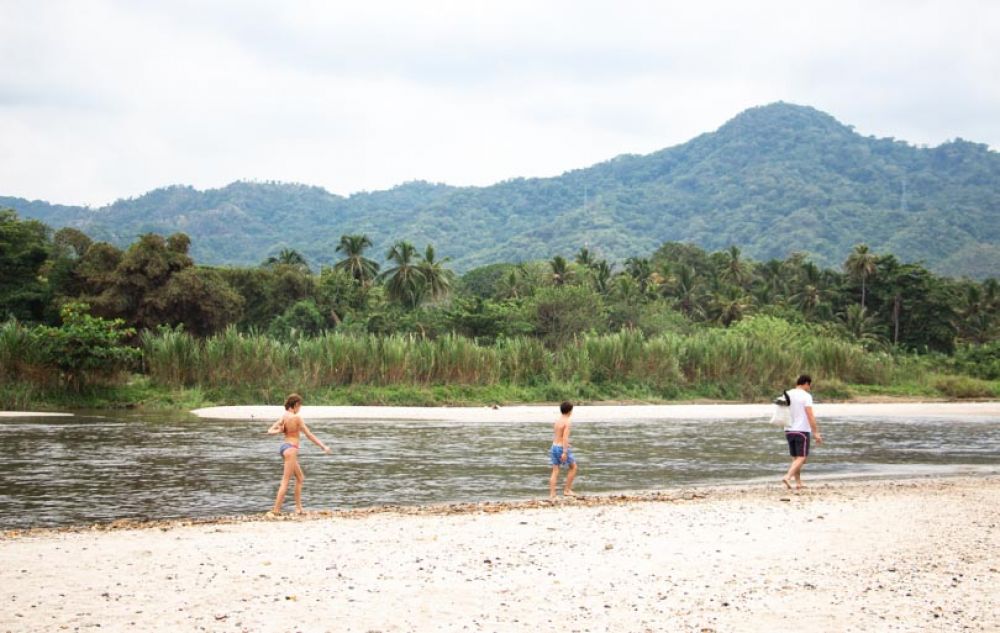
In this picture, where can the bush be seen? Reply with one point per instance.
(981, 361)
(964, 387)
(85, 349)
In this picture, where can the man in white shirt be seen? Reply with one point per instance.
(802, 427)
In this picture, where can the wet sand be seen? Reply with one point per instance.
(913, 555)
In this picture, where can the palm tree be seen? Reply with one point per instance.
(640, 269)
(975, 316)
(437, 278)
(405, 280)
(730, 305)
(862, 327)
(861, 264)
(353, 247)
(769, 285)
(601, 273)
(509, 287)
(735, 270)
(287, 257)
(585, 258)
(811, 294)
(685, 289)
(560, 270)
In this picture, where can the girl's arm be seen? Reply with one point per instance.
(313, 438)
(277, 427)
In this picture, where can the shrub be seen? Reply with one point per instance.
(963, 387)
(85, 348)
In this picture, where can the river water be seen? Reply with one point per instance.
(101, 467)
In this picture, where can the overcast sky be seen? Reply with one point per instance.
(104, 99)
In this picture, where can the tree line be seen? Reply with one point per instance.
(873, 300)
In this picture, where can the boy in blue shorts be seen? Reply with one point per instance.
(561, 454)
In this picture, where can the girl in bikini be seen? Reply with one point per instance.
(291, 424)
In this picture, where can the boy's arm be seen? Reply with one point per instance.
(565, 443)
(277, 427)
(313, 438)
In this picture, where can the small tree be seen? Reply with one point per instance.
(85, 348)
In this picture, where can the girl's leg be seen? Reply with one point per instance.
(299, 478)
(285, 477)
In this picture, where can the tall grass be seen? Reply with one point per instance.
(751, 359)
(21, 359)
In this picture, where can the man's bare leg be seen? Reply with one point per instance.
(794, 473)
(553, 478)
(570, 476)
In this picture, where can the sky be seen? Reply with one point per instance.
(101, 99)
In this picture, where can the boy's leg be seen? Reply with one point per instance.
(570, 476)
(553, 478)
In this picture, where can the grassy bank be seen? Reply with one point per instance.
(750, 361)
(140, 392)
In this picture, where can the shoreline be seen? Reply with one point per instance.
(912, 554)
(605, 412)
(677, 494)
(880, 406)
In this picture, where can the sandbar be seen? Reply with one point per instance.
(33, 414)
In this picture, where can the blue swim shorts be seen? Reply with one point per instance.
(555, 456)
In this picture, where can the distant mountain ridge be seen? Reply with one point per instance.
(773, 180)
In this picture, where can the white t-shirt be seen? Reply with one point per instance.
(800, 399)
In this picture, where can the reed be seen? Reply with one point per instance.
(751, 359)
(21, 359)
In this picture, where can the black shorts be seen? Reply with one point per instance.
(798, 443)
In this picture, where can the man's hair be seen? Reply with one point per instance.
(292, 400)
(804, 379)
(566, 407)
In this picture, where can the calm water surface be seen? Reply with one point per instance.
(100, 467)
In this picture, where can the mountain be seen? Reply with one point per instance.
(773, 180)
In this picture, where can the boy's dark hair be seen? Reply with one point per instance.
(566, 407)
(804, 379)
(292, 400)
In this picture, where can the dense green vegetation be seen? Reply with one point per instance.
(774, 180)
(86, 323)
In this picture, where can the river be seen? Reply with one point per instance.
(98, 467)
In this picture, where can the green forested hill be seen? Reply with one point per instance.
(773, 180)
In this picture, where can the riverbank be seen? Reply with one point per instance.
(610, 412)
(844, 556)
(139, 392)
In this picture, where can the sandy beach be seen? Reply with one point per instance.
(914, 555)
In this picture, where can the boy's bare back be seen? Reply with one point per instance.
(560, 431)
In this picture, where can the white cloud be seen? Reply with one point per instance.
(103, 99)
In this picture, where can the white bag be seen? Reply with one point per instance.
(782, 416)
